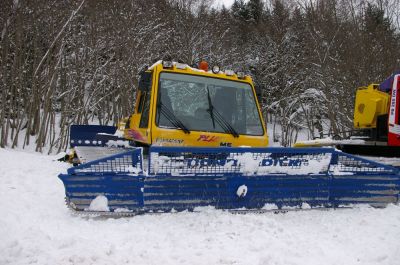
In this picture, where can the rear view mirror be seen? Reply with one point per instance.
(145, 81)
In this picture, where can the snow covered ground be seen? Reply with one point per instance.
(37, 228)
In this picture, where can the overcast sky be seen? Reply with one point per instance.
(227, 3)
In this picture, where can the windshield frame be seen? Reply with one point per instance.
(156, 120)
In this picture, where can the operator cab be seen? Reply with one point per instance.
(180, 106)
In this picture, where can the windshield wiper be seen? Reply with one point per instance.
(215, 115)
(172, 118)
(210, 107)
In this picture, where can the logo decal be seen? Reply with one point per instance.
(134, 134)
(207, 138)
(268, 162)
(161, 141)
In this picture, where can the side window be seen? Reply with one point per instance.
(144, 120)
(253, 122)
(141, 102)
(144, 101)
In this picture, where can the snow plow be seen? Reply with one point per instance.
(183, 178)
(196, 138)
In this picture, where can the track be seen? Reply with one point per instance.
(232, 211)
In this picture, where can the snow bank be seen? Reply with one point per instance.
(37, 228)
(100, 203)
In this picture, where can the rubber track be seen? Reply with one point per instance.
(233, 211)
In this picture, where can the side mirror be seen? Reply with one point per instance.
(145, 81)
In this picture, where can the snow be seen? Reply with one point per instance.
(119, 133)
(241, 191)
(118, 143)
(248, 165)
(329, 141)
(134, 170)
(122, 210)
(100, 203)
(37, 228)
(393, 161)
(154, 65)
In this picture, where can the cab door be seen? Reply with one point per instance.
(394, 114)
(139, 125)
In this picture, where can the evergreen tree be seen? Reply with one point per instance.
(255, 9)
(378, 42)
(240, 10)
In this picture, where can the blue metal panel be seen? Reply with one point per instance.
(185, 178)
(118, 177)
(386, 85)
(360, 189)
(86, 135)
(121, 191)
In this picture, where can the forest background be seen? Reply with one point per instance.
(77, 61)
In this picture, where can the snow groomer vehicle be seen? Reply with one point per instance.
(197, 138)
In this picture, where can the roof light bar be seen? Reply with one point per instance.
(167, 64)
(181, 66)
(229, 72)
(240, 75)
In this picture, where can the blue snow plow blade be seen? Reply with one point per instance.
(88, 135)
(182, 178)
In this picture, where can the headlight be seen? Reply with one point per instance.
(215, 69)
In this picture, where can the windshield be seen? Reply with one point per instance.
(207, 104)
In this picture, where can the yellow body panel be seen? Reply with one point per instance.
(370, 103)
(173, 137)
(154, 135)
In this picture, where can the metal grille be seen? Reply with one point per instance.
(245, 161)
(260, 161)
(128, 163)
(345, 163)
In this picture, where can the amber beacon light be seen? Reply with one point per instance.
(203, 65)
